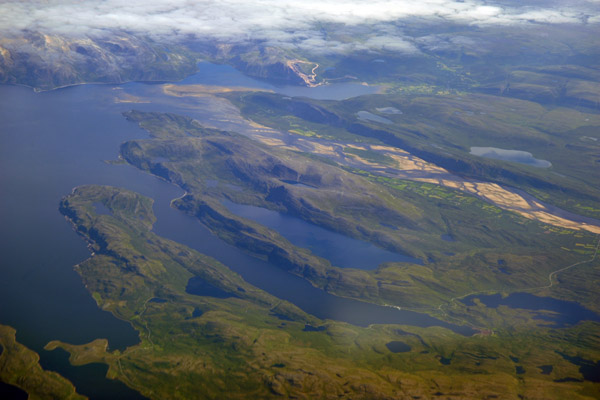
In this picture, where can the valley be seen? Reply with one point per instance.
(332, 201)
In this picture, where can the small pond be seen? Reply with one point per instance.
(389, 110)
(397, 346)
(367, 116)
(564, 313)
(298, 184)
(518, 156)
(101, 209)
(200, 287)
(448, 238)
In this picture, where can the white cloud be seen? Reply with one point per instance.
(291, 24)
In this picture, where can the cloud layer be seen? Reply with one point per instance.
(285, 23)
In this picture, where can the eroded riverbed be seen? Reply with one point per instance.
(196, 97)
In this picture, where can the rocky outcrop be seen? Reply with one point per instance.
(49, 61)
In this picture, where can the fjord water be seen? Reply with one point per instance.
(341, 251)
(226, 75)
(53, 141)
(272, 279)
(49, 143)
